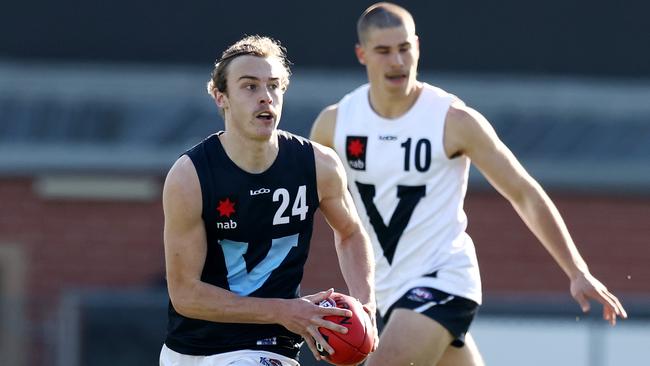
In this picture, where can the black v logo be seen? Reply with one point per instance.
(388, 236)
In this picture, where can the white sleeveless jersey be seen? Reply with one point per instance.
(409, 195)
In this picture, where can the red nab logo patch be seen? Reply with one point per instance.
(226, 209)
(355, 151)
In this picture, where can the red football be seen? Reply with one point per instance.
(354, 346)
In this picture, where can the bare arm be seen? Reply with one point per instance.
(468, 132)
(322, 131)
(185, 253)
(352, 243)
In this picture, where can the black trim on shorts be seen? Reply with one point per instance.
(453, 312)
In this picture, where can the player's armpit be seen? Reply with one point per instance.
(322, 131)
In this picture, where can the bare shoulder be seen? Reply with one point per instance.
(182, 188)
(463, 125)
(181, 173)
(326, 159)
(459, 113)
(323, 128)
(330, 175)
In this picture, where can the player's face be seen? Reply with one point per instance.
(391, 58)
(253, 103)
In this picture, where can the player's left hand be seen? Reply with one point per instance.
(585, 287)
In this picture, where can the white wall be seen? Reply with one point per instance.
(515, 341)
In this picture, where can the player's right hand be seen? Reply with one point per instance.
(585, 286)
(303, 316)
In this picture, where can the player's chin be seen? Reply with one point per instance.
(264, 131)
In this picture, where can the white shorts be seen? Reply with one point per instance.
(169, 357)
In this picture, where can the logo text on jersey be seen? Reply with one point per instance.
(230, 224)
(259, 191)
(355, 151)
(226, 209)
(388, 138)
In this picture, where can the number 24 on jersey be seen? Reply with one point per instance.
(299, 207)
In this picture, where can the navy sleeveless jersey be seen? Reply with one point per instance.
(258, 230)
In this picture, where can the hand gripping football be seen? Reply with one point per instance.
(354, 346)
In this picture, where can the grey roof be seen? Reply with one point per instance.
(568, 132)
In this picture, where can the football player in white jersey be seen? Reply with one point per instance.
(403, 143)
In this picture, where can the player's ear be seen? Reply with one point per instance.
(221, 99)
(358, 50)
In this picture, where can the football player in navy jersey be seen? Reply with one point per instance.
(406, 147)
(239, 212)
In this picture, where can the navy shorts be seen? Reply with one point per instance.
(455, 313)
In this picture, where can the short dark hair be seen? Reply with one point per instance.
(382, 15)
(252, 46)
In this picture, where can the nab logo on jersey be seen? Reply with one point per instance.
(355, 151)
(226, 209)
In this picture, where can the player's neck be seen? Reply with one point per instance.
(390, 105)
(252, 156)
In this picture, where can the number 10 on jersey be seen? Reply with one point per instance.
(422, 155)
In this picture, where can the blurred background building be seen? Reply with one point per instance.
(97, 100)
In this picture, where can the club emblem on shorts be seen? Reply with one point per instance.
(265, 361)
(420, 294)
(355, 151)
(226, 208)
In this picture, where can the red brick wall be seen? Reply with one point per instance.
(81, 244)
(611, 233)
(77, 244)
